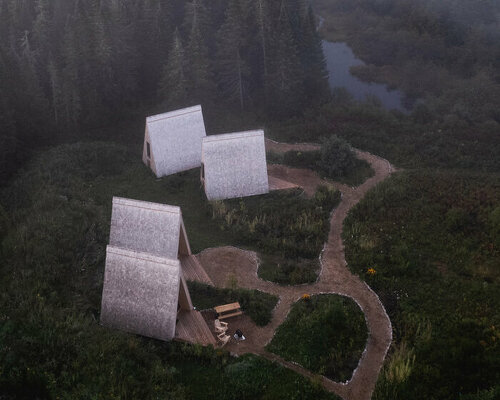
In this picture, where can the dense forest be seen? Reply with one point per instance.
(68, 66)
(77, 78)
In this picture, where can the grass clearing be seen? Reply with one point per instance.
(325, 334)
(288, 271)
(288, 228)
(427, 232)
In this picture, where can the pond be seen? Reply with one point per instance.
(339, 57)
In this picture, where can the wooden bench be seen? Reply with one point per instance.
(228, 310)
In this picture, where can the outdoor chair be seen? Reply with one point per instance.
(223, 338)
(220, 326)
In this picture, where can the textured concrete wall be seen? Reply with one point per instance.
(235, 165)
(140, 293)
(175, 139)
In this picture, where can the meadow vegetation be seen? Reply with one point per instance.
(326, 334)
(428, 243)
(55, 226)
(406, 141)
(286, 226)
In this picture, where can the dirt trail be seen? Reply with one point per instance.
(228, 264)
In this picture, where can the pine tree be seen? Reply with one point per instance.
(233, 70)
(197, 14)
(43, 29)
(286, 76)
(264, 27)
(173, 86)
(73, 68)
(8, 140)
(35, 102)
(150, 51)
(314, 69)
(200, 77)
(56, 94)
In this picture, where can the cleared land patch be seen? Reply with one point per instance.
(326, 334)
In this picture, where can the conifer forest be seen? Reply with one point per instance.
(367, 267)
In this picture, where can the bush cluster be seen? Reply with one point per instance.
(335, 160)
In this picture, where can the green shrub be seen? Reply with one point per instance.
(356, 171)
(336, 157)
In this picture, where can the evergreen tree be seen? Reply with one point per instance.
(32, 96)
(264, 28)
(174, 86)
(150, 52)
(312, 59)
(43, 29)
(200, 77)
(197, 14)
(56, 94)
(74, 65)
(286, 77)
(233, 71)
(8, 140)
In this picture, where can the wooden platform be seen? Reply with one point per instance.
(193, 271)
(192, 328)
(280, 184)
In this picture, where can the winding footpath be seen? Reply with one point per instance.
(229, 263)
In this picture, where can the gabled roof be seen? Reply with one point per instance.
(146, 227)
(235, 165)
(175, 139)
(140, 293)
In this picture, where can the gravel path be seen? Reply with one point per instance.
(226, 265)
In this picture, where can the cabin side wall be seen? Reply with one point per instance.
(148, 159)
(185, 302)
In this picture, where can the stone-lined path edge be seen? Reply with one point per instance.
(334, 278)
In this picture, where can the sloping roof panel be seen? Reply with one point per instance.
(176, 140)
(140, 293)
(235, 165)
(145, 227)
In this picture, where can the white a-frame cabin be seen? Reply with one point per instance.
(172, 141)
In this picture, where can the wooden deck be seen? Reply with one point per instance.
(280, 184)
(192, 328)
(193, 271)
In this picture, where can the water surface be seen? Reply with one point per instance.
(339, 57)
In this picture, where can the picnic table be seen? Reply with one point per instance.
(228, 310)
